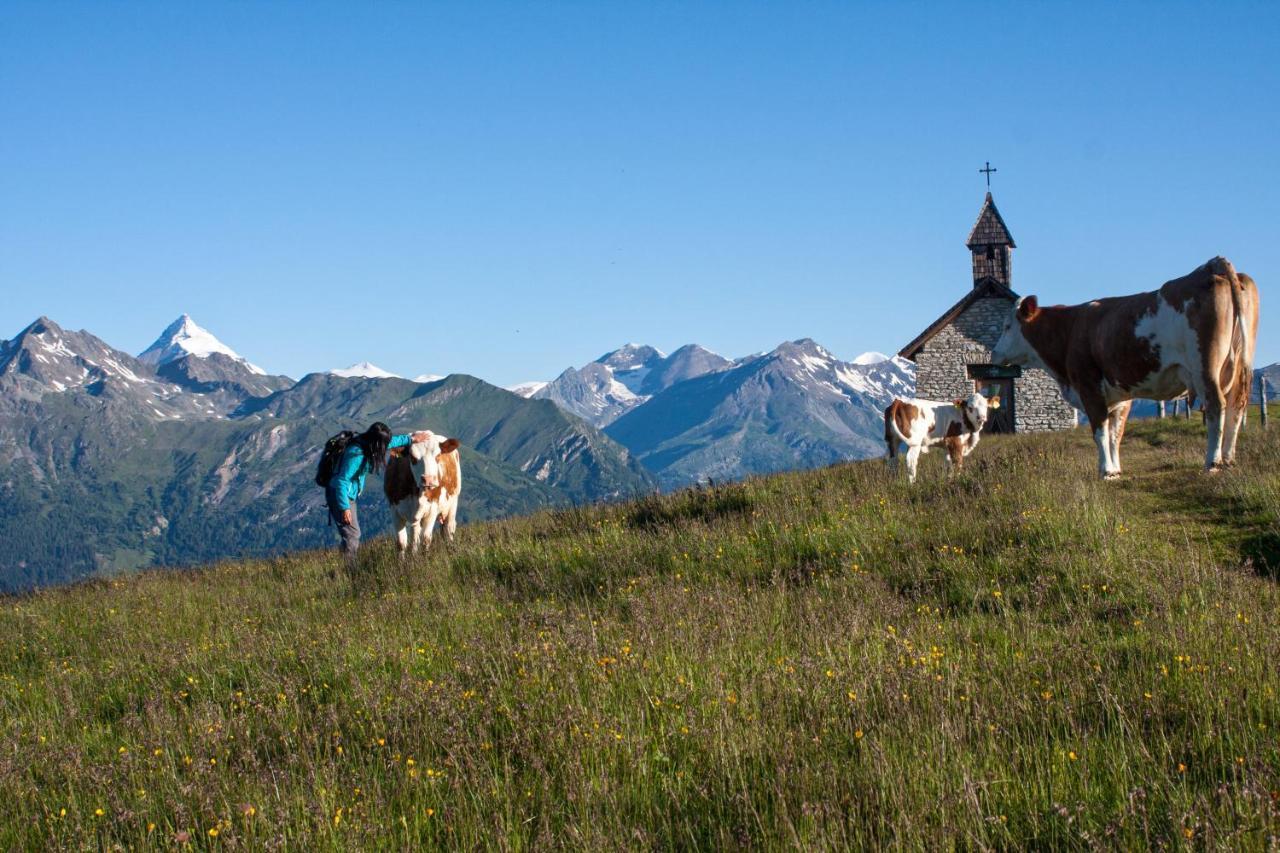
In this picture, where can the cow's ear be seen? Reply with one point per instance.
(1028, 308)
(958, 402)
(449, 445)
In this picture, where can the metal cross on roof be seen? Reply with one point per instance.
(988, 172)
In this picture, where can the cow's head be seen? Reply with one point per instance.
(424, 459)
(973, 410)
(1013, 347)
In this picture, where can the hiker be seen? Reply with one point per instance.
(361, 453)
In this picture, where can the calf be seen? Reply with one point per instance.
(422, 484)
(921, 423)
(1196, 333)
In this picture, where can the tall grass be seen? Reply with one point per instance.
(1023, 656)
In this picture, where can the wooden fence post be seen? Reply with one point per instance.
(1262, 399)
(1160, 409)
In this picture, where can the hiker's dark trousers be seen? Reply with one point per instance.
(350, 533)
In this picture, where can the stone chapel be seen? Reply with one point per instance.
(953, 354)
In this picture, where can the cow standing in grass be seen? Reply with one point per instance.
(921, 423)
(422, 484)
(1196, 333)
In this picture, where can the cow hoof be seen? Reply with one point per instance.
(1213, 469)
(1111, 475)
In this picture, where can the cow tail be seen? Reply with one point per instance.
(1220, 266)
(892, 435)
(1237, 300)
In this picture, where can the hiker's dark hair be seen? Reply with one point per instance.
(374, 440)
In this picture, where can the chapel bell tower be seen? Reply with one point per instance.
(991, 245)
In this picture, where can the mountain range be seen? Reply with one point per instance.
(619, 381)
(696, 416)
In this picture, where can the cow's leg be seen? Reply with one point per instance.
(955, 457)
(1214, 402)
(402, 534)
(892, 457)
(1214, 421)
(1104, 452)
(415, 535)
(451, 523)
(1234, 420)
(1237, 409)
(1115, 432)
(913, 459)
(1095, 408)
(1101, 424)
(429, 523)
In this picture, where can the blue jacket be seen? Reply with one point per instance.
(347, 482)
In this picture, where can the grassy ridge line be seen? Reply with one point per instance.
(827, 659)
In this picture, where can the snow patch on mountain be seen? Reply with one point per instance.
(428, 377)
(871, 357)
(526, 389)
(184, 337)
(364, 370)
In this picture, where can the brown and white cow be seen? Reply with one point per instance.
(422, 483)
(1196, 333)
(921, 423)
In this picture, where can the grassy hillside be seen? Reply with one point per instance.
(1024, 656)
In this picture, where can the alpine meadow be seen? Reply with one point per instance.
(1021, 657)
(639, 426)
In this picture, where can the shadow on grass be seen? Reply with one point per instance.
(1261, 552)
(1239, 524)
(379, 568)
(706, 505)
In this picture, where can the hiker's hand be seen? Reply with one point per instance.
(421, 435)
(346, 516)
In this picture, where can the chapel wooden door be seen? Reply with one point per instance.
(999, 419)
(991, 380)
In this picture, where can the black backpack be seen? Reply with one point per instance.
(332, 454)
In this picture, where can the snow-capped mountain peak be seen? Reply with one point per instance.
(364, 370)
(631, 357)
(184, 337)
(871, 377)
(806, 352)
(527, 389)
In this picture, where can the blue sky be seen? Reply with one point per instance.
(507, 189)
